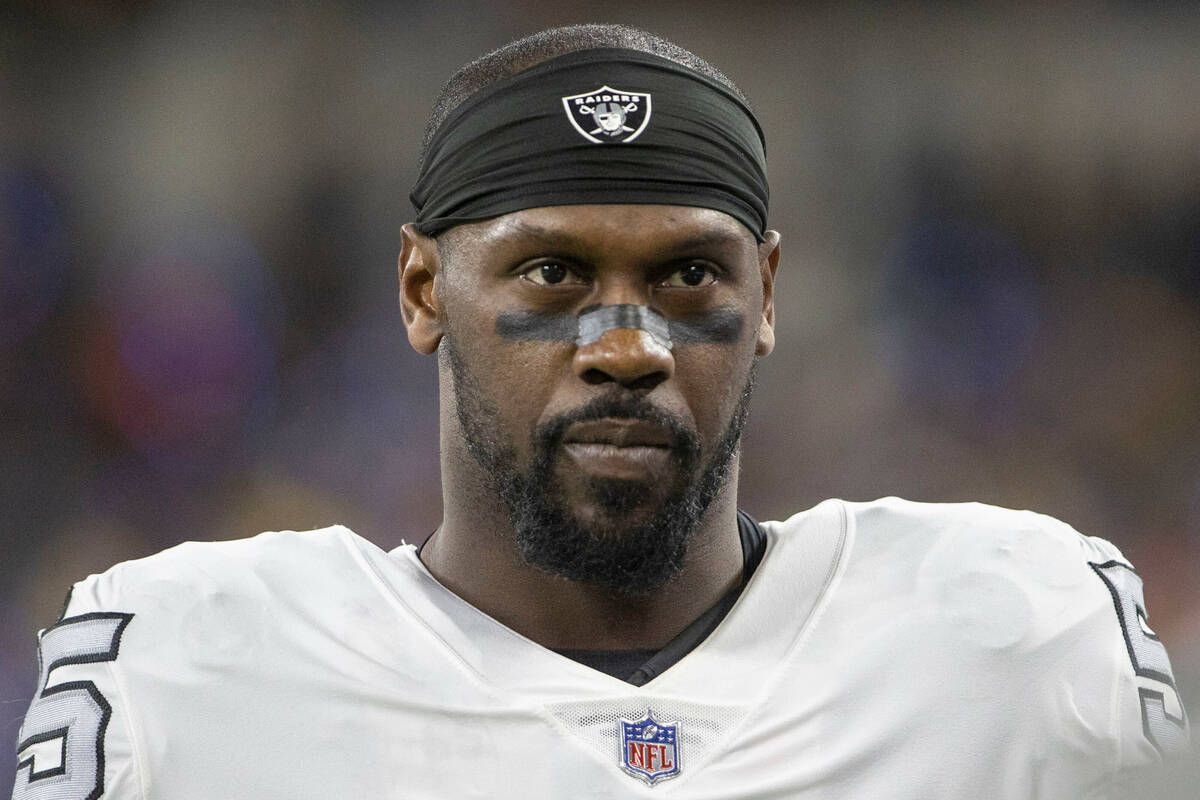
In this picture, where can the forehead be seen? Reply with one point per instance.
(602, 229)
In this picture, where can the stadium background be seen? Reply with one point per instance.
(990, 287)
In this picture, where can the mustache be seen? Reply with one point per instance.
(549, 435)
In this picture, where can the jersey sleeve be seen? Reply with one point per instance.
(1150, 723)
(77, 740)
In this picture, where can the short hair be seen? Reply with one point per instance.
(538, 47)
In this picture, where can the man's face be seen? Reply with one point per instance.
(608, 454)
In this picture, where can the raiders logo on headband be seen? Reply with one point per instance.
(608, 115)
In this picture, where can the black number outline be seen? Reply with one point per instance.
(1145, 695)
(87, 686)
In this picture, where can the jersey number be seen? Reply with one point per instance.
(1165, 730)
(61, 749)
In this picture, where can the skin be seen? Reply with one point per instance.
(612, 254)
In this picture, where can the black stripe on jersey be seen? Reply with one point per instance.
(66, 604)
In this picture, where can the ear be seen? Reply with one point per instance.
(420, 303)
(768, 261)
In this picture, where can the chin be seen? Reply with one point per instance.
(614, 502)
(629, 536)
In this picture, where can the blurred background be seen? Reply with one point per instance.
(990, 288)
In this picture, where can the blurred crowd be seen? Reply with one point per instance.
(990, 287)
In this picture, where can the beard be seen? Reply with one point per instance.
(617, 549)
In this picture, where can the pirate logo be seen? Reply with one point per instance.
(608, 115)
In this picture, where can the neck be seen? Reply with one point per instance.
(474, 554)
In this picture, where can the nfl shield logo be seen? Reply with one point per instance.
(650, 749)
(607, 115)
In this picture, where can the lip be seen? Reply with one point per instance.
(619, 433)
(632, 463)
(615, 448)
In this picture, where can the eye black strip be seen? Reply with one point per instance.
(529, 325)
(720, 325)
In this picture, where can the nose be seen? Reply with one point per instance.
(628, 356)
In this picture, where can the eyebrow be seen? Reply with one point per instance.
(558, 238)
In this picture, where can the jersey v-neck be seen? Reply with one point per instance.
(800, 564)
(639, 666)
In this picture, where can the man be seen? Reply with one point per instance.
(595, 617)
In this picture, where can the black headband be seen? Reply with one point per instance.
(608, 125)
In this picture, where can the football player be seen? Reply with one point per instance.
(595, 617)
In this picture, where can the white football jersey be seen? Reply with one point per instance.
(881, 650)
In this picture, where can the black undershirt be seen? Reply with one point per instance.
(640, 666)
